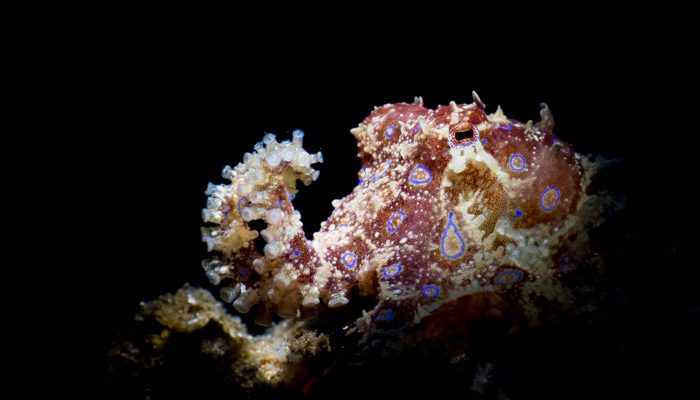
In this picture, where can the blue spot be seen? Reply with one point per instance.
(342, 225)
(509, 277)
(392, 270)
(296, 252)
(515, 158)
(416, 128)
(431, 291)
(451, 225)
(385, 315)
(389, 132)
(507, 127)
(386, 168)
(391, 224)
(566, 259)
(239, 205)
(226, 214)
(417, 169)
(518, 213)
(279, 203)
(486, 141)
(244, 273)
(556, 201)
(349, 259)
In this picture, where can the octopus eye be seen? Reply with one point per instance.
(463, 134)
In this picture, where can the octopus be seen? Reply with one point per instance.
(457, 215)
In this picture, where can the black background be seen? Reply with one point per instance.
(163, 117)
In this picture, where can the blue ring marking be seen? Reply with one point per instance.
(452, 225)
(296, 253)
(420, 181)
(389, 222)
(509, 277)
(279, 203)
(239, 206)
(566, 259)
(544, 193)
(485, 141)
(389, 132)
(431, 291)
(390, 274)
(352, 256)
(226, 214)
(507, 128)
(244, 273)
(518, 213)
(385, 315)
(388, 165)
(522, 159)
(364, 175)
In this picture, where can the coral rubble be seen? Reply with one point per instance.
(192, 318)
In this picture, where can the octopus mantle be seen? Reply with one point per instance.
(451, 204)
